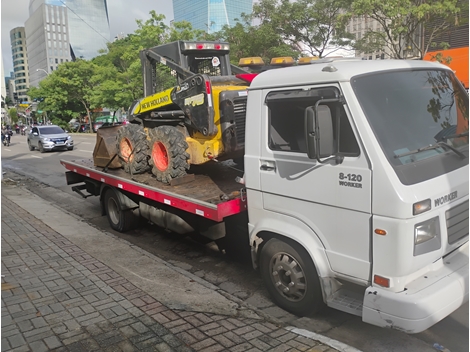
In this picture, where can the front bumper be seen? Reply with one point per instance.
(425, 301)
(53, 145)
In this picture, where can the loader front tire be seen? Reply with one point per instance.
(168, 156)
(132, 148)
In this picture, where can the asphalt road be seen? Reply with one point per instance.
(44, 175)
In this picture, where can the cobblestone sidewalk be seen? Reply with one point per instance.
(56, 297)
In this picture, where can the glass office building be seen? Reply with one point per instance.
(211, 15)
(88, 27)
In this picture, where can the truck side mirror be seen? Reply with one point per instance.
(319, 132)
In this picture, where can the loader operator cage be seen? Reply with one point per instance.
(173, 62)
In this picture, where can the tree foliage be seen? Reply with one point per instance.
(401, 23)
(13, 115)
(313, 27)
(248, 40)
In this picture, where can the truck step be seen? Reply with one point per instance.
(347, 301)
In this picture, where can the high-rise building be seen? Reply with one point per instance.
(58, 31)
(20, 63)
(47, 38)
(211, 15)
(88, 27)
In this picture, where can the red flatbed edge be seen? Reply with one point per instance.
(213, 194)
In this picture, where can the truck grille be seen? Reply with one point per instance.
(457, 222)
(239, 110)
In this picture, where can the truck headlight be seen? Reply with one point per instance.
(46, 139)
(427, 236)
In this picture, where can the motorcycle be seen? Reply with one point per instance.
(6, 139)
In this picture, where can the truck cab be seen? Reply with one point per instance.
(357, 188)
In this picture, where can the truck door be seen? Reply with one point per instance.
(333, 200)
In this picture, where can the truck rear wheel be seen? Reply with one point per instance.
(119, 219)
(291, 277)
(168, 156)
(132, 148)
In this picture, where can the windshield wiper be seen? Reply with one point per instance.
(430, 147)
(445, 138)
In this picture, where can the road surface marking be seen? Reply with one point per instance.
(35, 156)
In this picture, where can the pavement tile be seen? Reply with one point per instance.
(66, 300)
(38, 346)
(52, 342)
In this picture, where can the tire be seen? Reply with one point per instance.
(70, 148)
(41, 148)
(132, 148)
(31, 148)
(290, 277)
(119, 220)
(168, 156)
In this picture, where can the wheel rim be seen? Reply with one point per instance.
(288, 277)
(113, 211)
(126, 149)
(160, 156)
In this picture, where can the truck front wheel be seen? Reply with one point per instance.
(119, 219)
(168, 156)
(132, 148)
(291, 277)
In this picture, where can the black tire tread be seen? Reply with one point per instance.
(313, 301)
(128, 219)
(176, 145)
(136, 134)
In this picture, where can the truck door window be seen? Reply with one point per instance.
(286, 120)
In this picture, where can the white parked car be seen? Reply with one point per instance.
(49, 137)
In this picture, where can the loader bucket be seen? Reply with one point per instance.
(105, 147)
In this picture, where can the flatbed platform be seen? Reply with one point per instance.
(209, 190)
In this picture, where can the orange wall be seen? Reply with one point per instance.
(459, 62)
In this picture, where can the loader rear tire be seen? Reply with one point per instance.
(132, 148)
(168, 156)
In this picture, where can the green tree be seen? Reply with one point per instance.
(118, 78)
(314, 27)
(248, 40)
(401, 23)
(13, 115)
(69, 89)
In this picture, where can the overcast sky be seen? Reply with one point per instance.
(122, 16)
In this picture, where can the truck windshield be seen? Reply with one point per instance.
(420, 119)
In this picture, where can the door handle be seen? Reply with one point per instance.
(265, 167)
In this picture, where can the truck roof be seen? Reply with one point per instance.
(333, 70)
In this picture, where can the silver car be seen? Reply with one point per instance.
(49, 137)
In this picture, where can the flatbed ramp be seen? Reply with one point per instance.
(209, 190)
